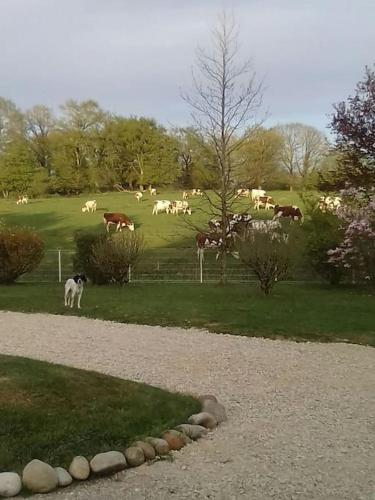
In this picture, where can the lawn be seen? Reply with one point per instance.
(294, 311)
(54, 413)
(57, 218)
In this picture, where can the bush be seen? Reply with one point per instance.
(82, 260)
(21, 250)
(323, 232)
(268, 254)
(113, 256)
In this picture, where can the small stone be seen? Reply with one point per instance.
(39, 477)
(63, 476)
(108, 463)
(175, 442)
(134, 456)
(192, 431)
(79, 468)
(160, 445)
(207, 397)
(147, 448)
(215, 409)
(10, 484)
(203, 418)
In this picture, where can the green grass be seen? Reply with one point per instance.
(53, 413)
(57, 218)
(293, 311)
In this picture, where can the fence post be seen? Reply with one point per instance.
(201, 266)
(59, 256)
(130, 273)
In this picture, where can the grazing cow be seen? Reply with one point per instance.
(22, 200)
(119, 220)
(162, 206)
(89, 206)
(292, 212)
(330, 203)
(256, 193)
(243, 192)
(153, 192)
(272, 227)
(180, 206)
(236, 223)
(196, 192)
(265, 202)
(214, 240)
(185, 195)
(138, 195)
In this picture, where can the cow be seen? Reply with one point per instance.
(22, 200)
(196, 192)
(236, 222)
(162, 206)
(185, 195)
(243, 192)
(256, 193)
(153, 192)
(89, 206)
(119, 220)
(272, 227)
(180, 206)
(138, 195)
(265, 202)
(330, 203)
(214, 240)
(292, 212)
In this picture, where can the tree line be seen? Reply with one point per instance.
(85, 148)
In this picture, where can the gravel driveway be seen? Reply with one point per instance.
(301, 416)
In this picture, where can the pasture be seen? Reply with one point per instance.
(57, 218)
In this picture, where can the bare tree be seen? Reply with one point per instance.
(224, 102)
(40, 122)
(303, 150)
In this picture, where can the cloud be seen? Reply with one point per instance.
(134, 57)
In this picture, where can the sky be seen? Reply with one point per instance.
(136, 58)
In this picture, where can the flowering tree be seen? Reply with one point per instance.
(357, 249)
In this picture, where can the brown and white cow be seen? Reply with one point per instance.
(215, 240)
(265, 202)
(289, 211)
(119, 220)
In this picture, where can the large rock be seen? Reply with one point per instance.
(215, 409)
(10, 484)
(108, 463)
(203, 418)
(147, 448)
(39, 477)
(207, 397)
(63, 476)
(134, 456)
(192, 431)
(79, 468)
(160, 445)
(174, 440)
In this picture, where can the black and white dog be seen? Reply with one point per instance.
(73, 287)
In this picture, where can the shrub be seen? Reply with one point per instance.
(268, 254)
(323, 232)
(114, 255)
(21, 250)
(82, 260)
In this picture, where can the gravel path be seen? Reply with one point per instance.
(301, 416)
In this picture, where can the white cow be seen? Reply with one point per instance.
(180, 206)
(138, 195)
(162, 206)
(89, 206)
(256, 193)
(330, 203)
(153, 192)
(22, 200)
(185, 195)
(196, 192)
(265, 202)
(243, 192)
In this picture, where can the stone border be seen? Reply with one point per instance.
(40, 477)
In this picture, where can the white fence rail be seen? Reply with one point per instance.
(169, 265)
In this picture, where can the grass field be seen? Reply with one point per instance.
(294, 311)
(57, 218)
(54, 413)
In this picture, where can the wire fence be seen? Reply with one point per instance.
(164, 265)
